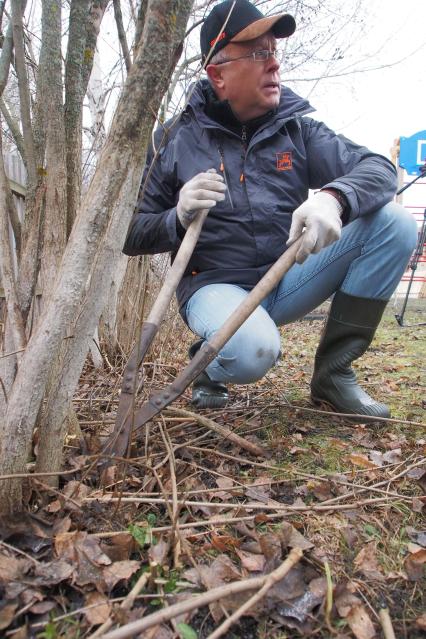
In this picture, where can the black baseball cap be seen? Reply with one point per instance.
(243, 21)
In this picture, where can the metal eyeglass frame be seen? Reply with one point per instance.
(258, 56)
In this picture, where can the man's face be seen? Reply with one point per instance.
(252, 87)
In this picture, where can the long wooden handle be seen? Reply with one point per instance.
(149, 329)
(210, 349)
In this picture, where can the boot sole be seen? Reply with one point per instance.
(210, 402)
(323, 404)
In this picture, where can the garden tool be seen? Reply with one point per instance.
(130, 421)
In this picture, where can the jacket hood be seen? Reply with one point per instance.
(290, 104)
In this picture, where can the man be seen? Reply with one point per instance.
(245, 149)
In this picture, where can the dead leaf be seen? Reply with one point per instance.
(51, 573)
(61, 526)
(392, 456)
(270, 544)
(414, 563)
(221, 571)
(72, 546)
(360, 623)
(421, 622)
(7, 614)
(301, 607)
(97, 608)
(86, 554)
(159, 632)
(322, 490)
(54, 506)
(158, 552)
(360, 460)
(367, 563)
(41, 607)
(292, 538)
(417, 505)
(77, 492)
(119, 547)
(119, 571)
(12, 568)
(224, 543)
(352, 609)
(251, 562)
(418, 536)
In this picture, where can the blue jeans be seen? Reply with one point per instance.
(367, 261)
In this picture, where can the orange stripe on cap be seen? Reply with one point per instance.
(218, 39)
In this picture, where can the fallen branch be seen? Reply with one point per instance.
(254, 449)
(276, 575)
(215, 594)
(248, 505)
(126, 604)
(194, 524)
(351, 416)
(386, 623)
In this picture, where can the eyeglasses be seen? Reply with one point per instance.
(257, 56)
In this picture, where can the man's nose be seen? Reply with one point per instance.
(273, 63)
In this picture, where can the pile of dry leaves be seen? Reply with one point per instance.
(317, 535)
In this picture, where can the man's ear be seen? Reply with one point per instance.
(215, 75)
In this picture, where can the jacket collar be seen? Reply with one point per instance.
(291, 105)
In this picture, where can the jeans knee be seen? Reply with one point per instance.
(246, 360)
(403, 228)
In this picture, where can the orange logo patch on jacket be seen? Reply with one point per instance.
(284, 161)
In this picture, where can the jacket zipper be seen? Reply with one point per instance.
(244, 141)
(225, 176)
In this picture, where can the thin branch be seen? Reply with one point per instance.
(122, 34)
(6, 261)
(220, 521)
(215, 594)
(273, 577)
(6, 57)
(126, 604)
(249, 505)
(13, 128)
(24, 92)
(228, 434)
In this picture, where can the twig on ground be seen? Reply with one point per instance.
(126, 604)
(274, 576)
(329, 597)
(47, 474)
(360, 418)
(254, 449)
(246, 506)
(58, 493)
(198, 601)
(174, 533)
(20, 552)
(386, 623)
(220, 521)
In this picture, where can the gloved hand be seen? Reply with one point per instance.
(318, 220)
(203, 191)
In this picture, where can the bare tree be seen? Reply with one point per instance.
(100, 226)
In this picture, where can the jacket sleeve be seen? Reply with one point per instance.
(153, 226)
(367, 180)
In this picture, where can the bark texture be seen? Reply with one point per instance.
(101, 224)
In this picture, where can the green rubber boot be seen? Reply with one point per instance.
(348, 333)
(205, 392)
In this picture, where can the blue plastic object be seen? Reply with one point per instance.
(412, 154)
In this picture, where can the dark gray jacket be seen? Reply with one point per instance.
(267, 180)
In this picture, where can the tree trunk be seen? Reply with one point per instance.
(50, 96)
(74, 94)
(112, 193)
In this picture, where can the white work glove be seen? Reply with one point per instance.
(318, 220)
(203, 191)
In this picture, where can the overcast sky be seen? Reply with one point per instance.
(375, 107)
